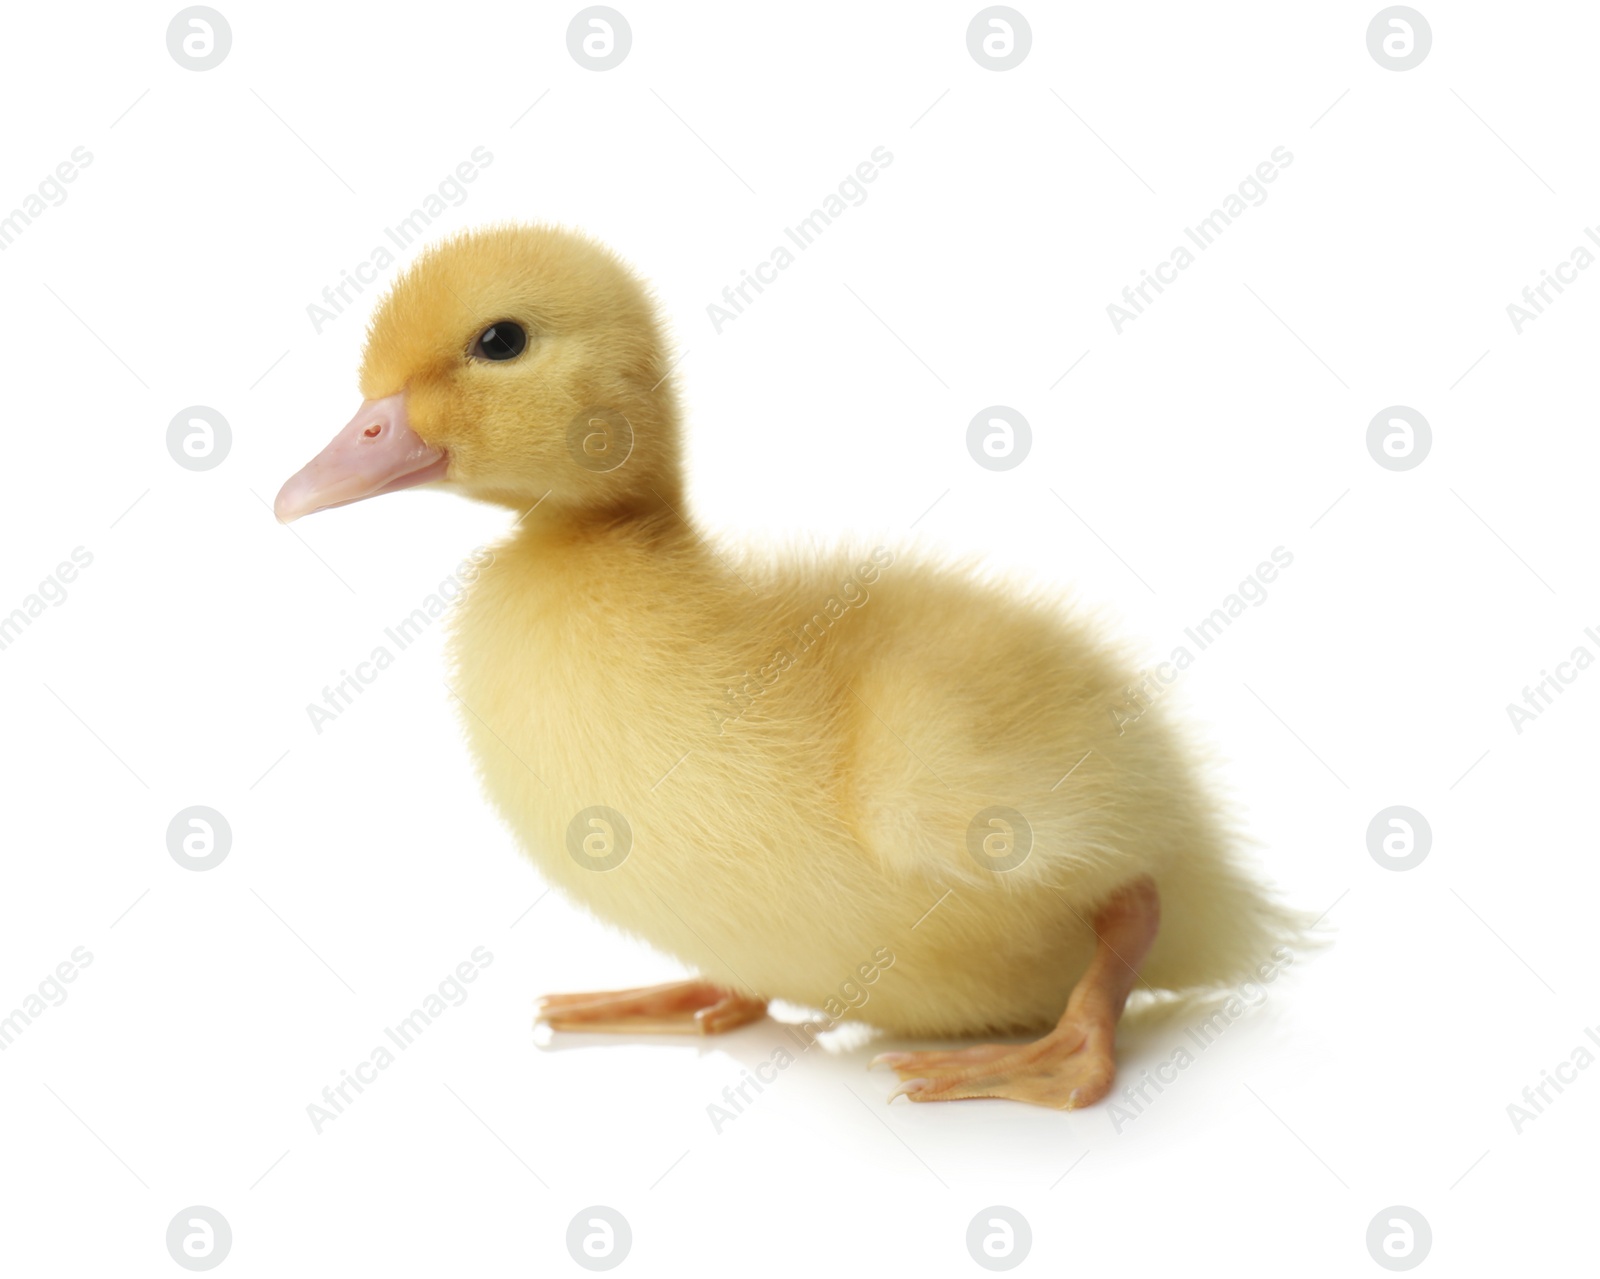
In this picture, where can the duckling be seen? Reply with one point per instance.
(800, 775)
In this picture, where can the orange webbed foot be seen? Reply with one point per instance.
(1072, 1066)
(677, 1008)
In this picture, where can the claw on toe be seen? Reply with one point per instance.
(909, 1088)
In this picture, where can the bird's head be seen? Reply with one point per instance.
(512, 364)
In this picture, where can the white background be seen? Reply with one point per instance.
(364, 863)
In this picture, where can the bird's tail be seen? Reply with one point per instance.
(1220, 929)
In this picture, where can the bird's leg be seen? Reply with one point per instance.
(1075, 1064)
(680, 1007)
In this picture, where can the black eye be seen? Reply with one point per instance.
(502, 340)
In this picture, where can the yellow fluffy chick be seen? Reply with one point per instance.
(864, 783)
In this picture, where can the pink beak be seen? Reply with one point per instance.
(377, 452)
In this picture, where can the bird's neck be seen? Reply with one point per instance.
(652, 533)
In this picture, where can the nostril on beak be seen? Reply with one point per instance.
(373, 431)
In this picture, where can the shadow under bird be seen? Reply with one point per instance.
(778, 767)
